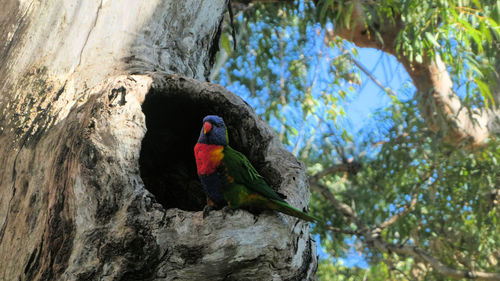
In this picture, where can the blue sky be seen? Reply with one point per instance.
(370, 97)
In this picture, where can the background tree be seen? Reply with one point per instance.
(416, 193)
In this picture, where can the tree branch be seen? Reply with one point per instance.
(387, 90)
(406, 209)
(346, 211)
(351, 167)
(340, 230)
(413, 251)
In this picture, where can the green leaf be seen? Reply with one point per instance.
(226, 44)
(432, 39)
(418, 58)
(347, 15)
(485, 92)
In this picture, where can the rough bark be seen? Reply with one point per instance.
(96, 136)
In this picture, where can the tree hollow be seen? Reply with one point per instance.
(167, 162)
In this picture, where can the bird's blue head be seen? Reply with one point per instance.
(213, 131)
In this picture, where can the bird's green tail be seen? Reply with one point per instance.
(291, 211)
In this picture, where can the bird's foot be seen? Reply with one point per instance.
(228, 210)
(206, 210)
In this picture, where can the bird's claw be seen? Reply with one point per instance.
(206, 210)
(228, 210)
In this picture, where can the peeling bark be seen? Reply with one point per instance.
(96, 138)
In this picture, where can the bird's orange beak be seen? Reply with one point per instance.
(207, 127)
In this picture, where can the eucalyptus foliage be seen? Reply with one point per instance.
(456, 215)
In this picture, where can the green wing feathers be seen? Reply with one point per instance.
(252, 188)
(241, 170)
(289, 210)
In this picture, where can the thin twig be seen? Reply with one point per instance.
(343, 231)
(406, 209)
(386, 90)
(351, 167)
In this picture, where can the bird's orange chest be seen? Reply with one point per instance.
(208, 157)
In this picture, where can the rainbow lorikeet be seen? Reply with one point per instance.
(229, 179)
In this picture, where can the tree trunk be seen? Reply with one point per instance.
(99, 112)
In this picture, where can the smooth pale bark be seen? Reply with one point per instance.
(96, 135)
